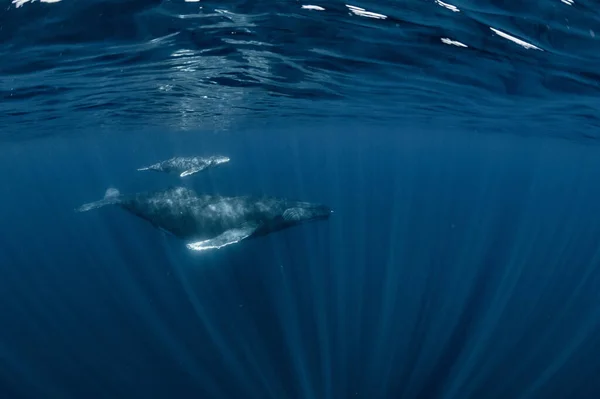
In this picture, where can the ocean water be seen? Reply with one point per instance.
(456, 143)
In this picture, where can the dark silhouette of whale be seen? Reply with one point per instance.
(209, 221)
(186, 166)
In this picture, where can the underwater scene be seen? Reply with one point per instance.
(293, 200)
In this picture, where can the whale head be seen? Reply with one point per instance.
(219, 160)
(306, 212)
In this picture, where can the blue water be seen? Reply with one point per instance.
(456, 143)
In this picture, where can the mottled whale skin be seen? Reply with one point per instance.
(209, 221)
(186, 166)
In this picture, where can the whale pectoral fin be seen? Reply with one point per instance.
(193, 170)
(229, 237)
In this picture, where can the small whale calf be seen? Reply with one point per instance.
(186, 166)
(210, 221)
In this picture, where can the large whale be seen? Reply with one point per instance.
(186, 166)
(209, 221)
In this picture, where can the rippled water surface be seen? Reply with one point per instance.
(456, 143)
(186, 64)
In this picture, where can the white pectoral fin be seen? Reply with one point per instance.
(228, 237)
(191, 171)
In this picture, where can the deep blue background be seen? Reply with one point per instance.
(455, 265)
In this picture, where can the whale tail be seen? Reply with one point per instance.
(111, 197)
(154, 167)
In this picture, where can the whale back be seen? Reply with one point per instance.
(168, 210)
(185, 214)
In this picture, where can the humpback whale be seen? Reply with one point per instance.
(186, 166)
(212, 221)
